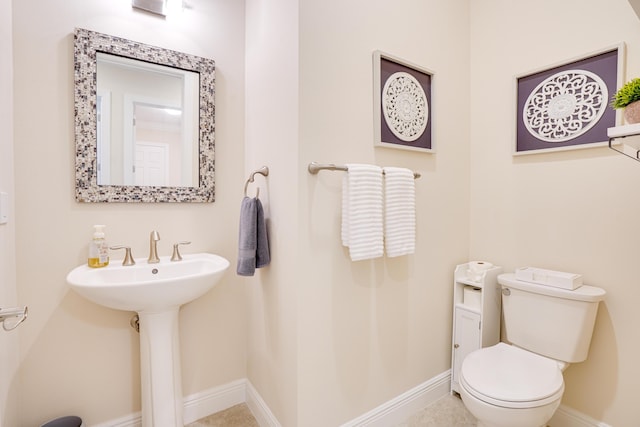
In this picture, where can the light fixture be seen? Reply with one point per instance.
(158, 7)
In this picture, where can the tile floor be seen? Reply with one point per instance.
(446, 412)
(236, 416)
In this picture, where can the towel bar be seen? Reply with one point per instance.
(315, 167)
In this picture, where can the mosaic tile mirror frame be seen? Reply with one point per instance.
(89, 187)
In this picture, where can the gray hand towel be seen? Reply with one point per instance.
(247, 241)
(253, 244)
(263, 256)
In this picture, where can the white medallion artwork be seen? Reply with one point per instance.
(404, 106)
(565, 105)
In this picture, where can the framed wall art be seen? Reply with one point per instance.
(567, 106)
(401, 104)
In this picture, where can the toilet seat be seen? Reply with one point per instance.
(510, 377)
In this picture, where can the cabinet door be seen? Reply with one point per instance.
(466, 338)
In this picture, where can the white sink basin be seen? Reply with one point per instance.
(143, 286)
(156, 292)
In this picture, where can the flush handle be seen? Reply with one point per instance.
(506, 292)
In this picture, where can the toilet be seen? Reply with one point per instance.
(520, 383)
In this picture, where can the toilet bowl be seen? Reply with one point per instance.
(506, 386)
(520, 384)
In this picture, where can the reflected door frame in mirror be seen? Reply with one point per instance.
(87, 44)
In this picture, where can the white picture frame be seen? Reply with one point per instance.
(547, 108)
(402, 104)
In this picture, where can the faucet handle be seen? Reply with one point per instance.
(176, 252)
(128, 259)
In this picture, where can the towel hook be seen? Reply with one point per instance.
(15, 312)
(264, 171)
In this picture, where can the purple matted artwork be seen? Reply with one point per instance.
(402, 104)
(567, 106)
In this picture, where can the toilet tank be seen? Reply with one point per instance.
(554, 322)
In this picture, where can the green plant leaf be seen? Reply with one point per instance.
(627, 94)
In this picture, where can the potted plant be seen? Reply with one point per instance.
(627, 97)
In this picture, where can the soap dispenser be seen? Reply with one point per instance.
(98, 248)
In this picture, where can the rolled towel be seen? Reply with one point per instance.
(400, 211)
(362, 221)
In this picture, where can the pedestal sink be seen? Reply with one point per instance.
(155, 292)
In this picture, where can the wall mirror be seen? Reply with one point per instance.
(145, 122)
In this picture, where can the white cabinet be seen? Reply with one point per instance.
(466, 339)
(476, 315)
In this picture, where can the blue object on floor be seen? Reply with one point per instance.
(70, 421)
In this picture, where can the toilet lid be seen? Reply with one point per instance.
(508, 376)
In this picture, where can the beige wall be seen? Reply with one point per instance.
(9, 351)
(573, 211)
(322, 339)
(272, 139)
(371, 330)
(77, 357)
(364, 332)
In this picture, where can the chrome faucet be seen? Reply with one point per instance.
(153, 248)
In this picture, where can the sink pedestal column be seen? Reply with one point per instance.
(161, 380)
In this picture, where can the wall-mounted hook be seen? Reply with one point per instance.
(13, 313)
(264, 171)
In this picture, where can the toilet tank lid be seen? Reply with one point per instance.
(583, 293)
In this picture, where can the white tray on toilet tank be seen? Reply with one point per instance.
(557, 279)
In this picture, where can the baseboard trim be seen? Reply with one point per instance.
(205, 403)
(132, 420)
(216, 399)
(405, 405)
(569, 417)
(259, 408)
(197, 405)
(393, 412)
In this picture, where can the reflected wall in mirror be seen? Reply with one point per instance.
(146, 116)
(144, 122)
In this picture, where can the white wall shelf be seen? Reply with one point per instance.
(476, 315)
(629, 140)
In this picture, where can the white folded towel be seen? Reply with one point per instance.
(400, 211)
(362, 221)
